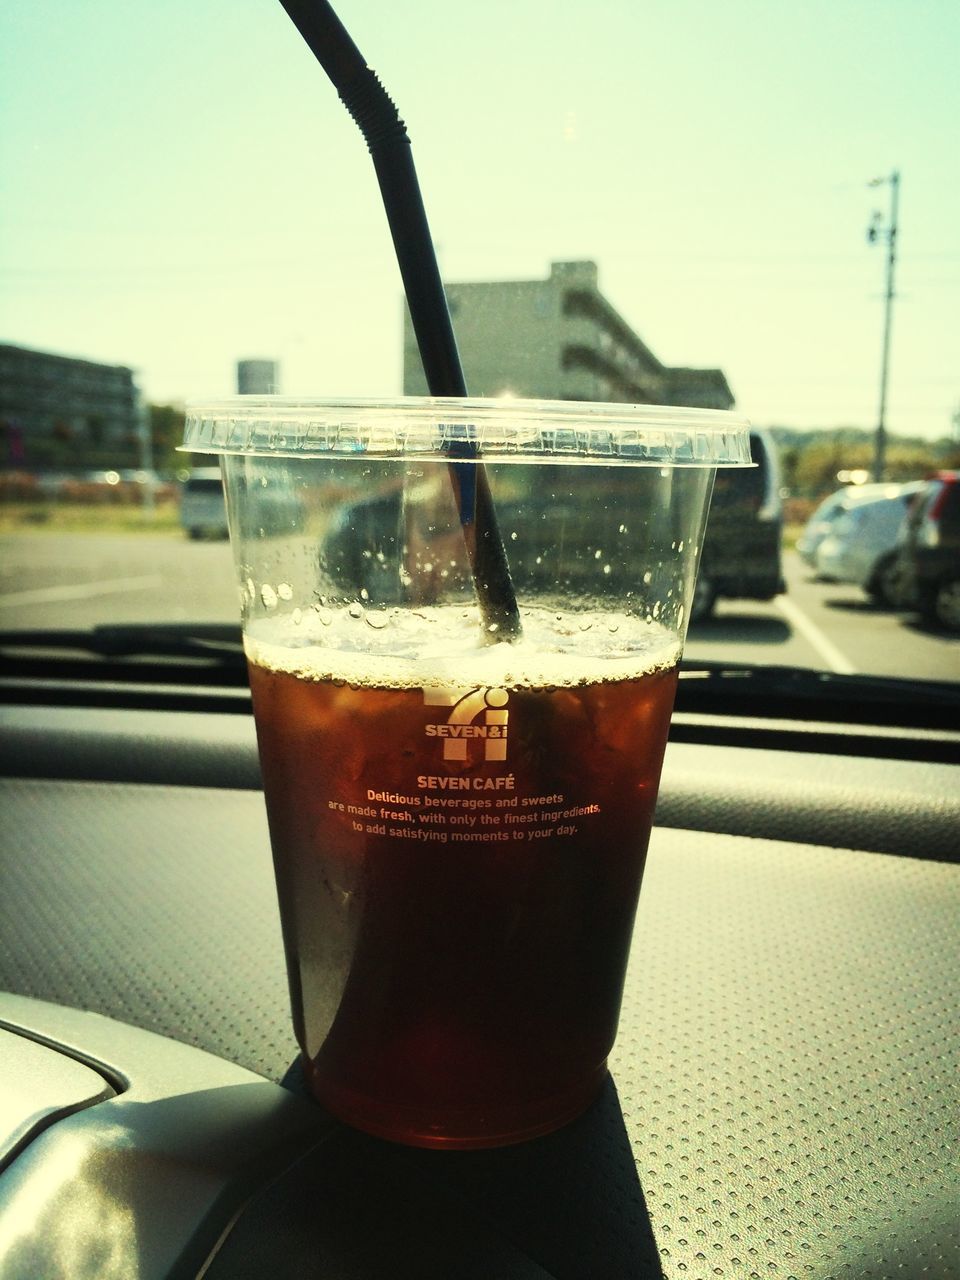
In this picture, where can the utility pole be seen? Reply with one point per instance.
(878, 231)
(145, 440)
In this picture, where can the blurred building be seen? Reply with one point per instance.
(558, 339)
(258, 377)
(58, 411)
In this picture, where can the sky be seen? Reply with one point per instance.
(181, 188)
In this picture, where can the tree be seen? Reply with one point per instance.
(166, 432)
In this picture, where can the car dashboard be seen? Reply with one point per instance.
(782, 1098)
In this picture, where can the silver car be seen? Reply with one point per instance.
(861, 546)
(831, 509)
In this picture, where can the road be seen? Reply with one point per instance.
(832, 626)
(59, 580)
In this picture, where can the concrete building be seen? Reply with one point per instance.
(558, 339)
(258, 377)
(59, 411)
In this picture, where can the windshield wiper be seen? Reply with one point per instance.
(71, 666)
(801, 693)
(153, 653)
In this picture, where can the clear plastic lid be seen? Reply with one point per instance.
(496, 430)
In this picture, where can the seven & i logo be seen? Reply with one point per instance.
(477, 714)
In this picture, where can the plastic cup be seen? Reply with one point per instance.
(459, 827)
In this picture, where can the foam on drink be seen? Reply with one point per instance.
(439, 645)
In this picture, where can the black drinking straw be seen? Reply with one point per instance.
(389, 144)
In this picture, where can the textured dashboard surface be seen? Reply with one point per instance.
(783, 1099)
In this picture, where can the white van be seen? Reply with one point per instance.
(203, 509)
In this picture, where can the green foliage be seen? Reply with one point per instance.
(166, 431)
(810, 460)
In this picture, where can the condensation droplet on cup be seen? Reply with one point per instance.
(647, 578)
(539, 559)
(494, 626)
(297, 616)
(513, 536)
(364, 593)
(607, 569)
(680, 546)
(355, 610)
(285, 591)
(251, 589)
(680, 614)
(376, 620)
(585, 624)
(623, 528)
(268, 596)
(613, 628)
(656, 609)
(597, 555)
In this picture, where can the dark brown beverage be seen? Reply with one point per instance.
(458, 866)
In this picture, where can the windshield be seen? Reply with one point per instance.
(722, 206)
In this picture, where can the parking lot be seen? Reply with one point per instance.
(66, 581)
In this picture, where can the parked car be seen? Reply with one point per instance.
(203, 509)
(928, 559)
(831, 509)
(862, 545)
(741, 549)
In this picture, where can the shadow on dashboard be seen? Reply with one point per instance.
(572, 1200)
(567, 1206)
